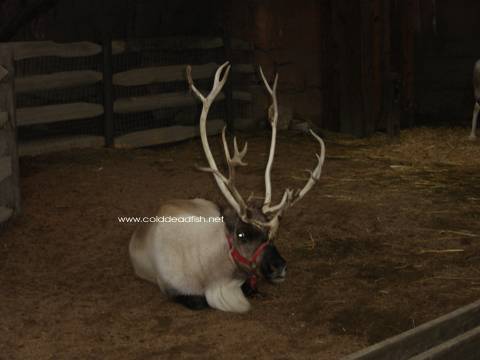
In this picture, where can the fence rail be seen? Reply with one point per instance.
(140, 76)
(452, 336)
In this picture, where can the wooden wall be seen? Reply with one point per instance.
(9, 173)
(448, 46)
(352, 66)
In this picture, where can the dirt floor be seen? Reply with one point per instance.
(389, 239)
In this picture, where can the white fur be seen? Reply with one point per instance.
(189, 258)
(227, 295)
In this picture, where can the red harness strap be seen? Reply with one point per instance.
(250, 264)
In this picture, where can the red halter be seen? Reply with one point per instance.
(250, 264)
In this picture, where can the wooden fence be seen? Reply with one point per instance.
(452, 336)
(9, 181)
(110, 107)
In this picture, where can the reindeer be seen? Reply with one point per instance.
(216, 264)
(476, 107)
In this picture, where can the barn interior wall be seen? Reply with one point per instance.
(310, 43)
(286, 39)
(77, 20)
(448, 46)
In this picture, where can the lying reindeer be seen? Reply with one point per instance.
(476, 107)
(212, 264)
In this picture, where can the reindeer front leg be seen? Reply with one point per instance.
(227, 295)
(476, 110)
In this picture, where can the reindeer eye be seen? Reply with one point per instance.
(242, 236)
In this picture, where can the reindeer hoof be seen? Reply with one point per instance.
(472, 138)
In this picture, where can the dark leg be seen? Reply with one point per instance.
(248, 290)
(193, 302)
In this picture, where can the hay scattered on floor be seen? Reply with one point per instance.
(419, 146)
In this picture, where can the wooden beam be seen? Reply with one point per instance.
(423, 337)
(5, 214)
(5, 167)
(465, 347)
(48, 145)
(157, 74)
(167, 43)
(31, 49)
(10, 187)
(54, 113)
(165, 135)
(59, 80)
(154, 102)
(166, 100)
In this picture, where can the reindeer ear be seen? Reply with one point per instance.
(230, 218)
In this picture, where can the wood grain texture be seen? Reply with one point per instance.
(165, 135)
(59, 80)
(32, 49)
(54, 113)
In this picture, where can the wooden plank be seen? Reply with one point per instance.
(153, 102)
(10, 187)
(5, 214)
(157, 74)
(31, 49)
(167, 43)
(423, 337)
(59, 80)
(3, 119)
(464, 347)
(60, 112)
(166, 135)
(43, 146)
(166, 100)
(5, 167)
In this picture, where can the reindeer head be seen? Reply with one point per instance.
(252, 228)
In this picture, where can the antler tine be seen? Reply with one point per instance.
(233, 162)
(226, 185)
(286, 200)
(315, 174)
(290, 197)
(240, 154)
(273, 117)
(237, 158)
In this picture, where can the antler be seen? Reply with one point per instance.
(273, 117)
(226, 185)
(289, 197)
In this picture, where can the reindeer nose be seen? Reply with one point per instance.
(279, 265)
(274, 266)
